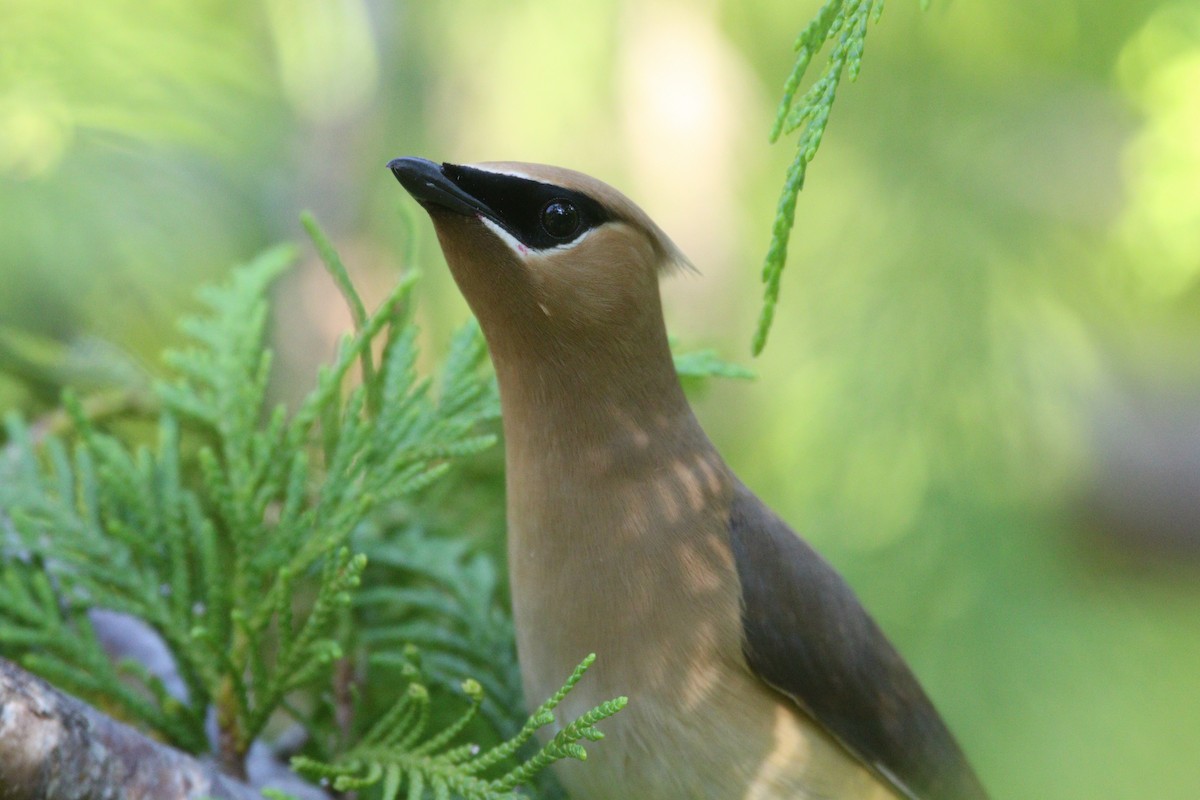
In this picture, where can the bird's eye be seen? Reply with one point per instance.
(560, 219)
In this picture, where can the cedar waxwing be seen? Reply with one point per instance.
(751, 668)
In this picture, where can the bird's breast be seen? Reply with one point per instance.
(637, 568)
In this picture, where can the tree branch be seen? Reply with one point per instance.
(54, 747)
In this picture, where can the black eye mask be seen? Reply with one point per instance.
(538, 215)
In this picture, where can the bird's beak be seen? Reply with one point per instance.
(430, 186)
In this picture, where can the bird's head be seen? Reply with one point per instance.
(545, 254)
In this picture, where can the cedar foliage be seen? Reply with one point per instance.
(241, 536)
(845, 23)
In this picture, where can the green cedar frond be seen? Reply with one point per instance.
(699, 364)
(844, 22)
(230, 537)
(438, 593)
(337, 270)
(388, 756)
(112, 377)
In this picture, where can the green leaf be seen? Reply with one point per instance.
(707, 364)
(390, 754)
(845, 23)
(230, 538)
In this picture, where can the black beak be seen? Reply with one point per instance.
(429, 185)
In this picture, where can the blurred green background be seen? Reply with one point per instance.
(981, 398)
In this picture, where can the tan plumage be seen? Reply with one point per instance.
(623, 534)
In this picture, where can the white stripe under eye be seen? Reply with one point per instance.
(524, 250)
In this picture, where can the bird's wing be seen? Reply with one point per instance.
(807, 636)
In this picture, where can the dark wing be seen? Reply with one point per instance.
(807, 636)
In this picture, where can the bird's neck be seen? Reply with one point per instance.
(578, 415)
(608, 471)
(616, 526)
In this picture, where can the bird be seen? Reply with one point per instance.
(752, 669)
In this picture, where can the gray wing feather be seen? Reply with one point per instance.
(807, 636)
